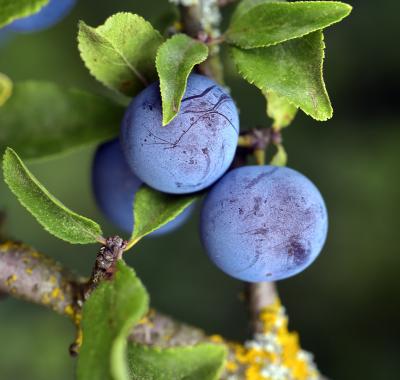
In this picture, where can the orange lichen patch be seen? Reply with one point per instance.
(146, 320)
(8, 245)
(46, 299)
(79, 337)
(10, 280)
(56, 293)
(77, 318)
(253, 372)
(275, 353)
(216, 339)
(69, 311)
(231, 366)
(35, 255)
(269, 316)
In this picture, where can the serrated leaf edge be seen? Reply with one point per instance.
(90, 29)
(283, 96)
(247, 47)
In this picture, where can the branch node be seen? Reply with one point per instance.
(104, 267)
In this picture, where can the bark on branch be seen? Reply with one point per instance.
(34, 277)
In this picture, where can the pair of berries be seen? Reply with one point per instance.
(258, 223)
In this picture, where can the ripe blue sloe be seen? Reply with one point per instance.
(46, 17)
(194, 149)
(263, 223)
(115, 185)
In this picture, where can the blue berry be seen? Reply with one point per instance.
(115, 185)
(193, 150)
(263, 223)
(46, 17)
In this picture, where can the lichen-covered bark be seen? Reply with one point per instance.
(32, 276)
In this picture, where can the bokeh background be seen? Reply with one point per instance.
(346, 307)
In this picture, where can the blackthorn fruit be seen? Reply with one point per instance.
(194, 149)
(115, 185)
(263, 223)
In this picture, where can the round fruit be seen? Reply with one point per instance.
(115, 185)
(194, 149)
(46, 17)
(263, 223)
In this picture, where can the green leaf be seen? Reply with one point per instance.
(280, 157)
(245, 5)
(108, 315)
(5, 88)
(269, 23)
(175, 60)
(292, 70)
(201, 362)
(49, 212)
(15, 9)
(121, 53)
(153, 209)
(42, 119)
(280, 110)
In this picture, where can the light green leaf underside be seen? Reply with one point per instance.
(49, 211)
(280, 157)
(175, 60)
(121, 53)
(270, 23)
(42, 119)
(11, 10)
(108, 315)
(279, 109)
(292, 70)
(5, 88)
(153, 209)
(201, 362)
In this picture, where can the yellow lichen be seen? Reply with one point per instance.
(9, 245)
(35, 255)
(46, 299)
(69, 311)
(253, 372)
(79, 337)
(274, 353)
(29, 270)
(57, 294)
(216, 339)
(231, 366)
(10, 280)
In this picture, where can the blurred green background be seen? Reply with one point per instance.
(346, 307)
